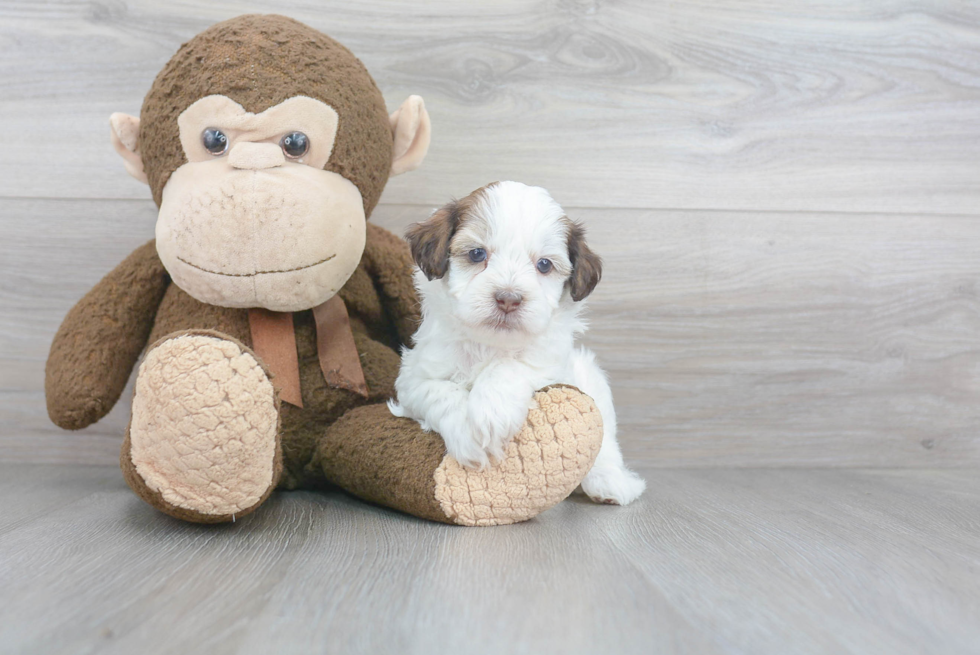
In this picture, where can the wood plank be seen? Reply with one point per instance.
(733, 339)
(719, 561)
(27, 492)
(761, 104)
(810, 561)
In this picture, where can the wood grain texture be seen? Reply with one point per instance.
(759, 104)
(731, 339)
(719, 561)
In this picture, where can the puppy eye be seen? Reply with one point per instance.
(214, 141)
(477, 255)
(295, 145)
(544, 266)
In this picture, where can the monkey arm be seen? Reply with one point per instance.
(389, 262)
(101, 338)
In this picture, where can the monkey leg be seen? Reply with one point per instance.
(393, 462)
(203, 442)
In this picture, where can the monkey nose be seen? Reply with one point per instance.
(256, 156)
(508, 300)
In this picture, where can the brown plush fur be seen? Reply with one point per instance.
(100, 340)
(385, 460)
(98, 345)
(338, 436)
(384, 313)
(284, 55)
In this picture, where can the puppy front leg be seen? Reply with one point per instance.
(440, 406)
(498, 404)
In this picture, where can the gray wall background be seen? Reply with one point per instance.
(786, 194)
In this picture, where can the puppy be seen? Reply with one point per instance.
(502, 278)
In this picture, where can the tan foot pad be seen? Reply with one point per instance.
(204, 427)
(544, 464)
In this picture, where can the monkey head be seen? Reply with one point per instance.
(266, 145)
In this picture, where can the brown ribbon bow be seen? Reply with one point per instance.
(274, 340)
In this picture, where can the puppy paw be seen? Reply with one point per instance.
(493, 425)
(613, 486)
(462, 444)
(468, 452)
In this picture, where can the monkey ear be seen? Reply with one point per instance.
(429, 240)
(586, 265)
(124, 134)
(411, 130)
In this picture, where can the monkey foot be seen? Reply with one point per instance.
(392, 461)
(203, 441)
(543, 464)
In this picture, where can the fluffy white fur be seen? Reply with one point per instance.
(473, 369)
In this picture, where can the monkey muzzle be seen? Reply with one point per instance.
(283, 236)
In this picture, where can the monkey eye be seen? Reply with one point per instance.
(477, 255)
(295, 145)
(544, 266)
(214, 141)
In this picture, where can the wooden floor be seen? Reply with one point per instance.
(710, 561)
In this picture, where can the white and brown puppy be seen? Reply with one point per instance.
(502, 276)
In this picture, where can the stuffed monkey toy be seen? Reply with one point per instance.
(269, 312)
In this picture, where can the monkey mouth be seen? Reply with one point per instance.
(285, 270)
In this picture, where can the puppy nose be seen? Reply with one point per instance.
(256, 156)
(508, 301)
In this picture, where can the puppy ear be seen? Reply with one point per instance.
(429, 240)
(586, 265)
